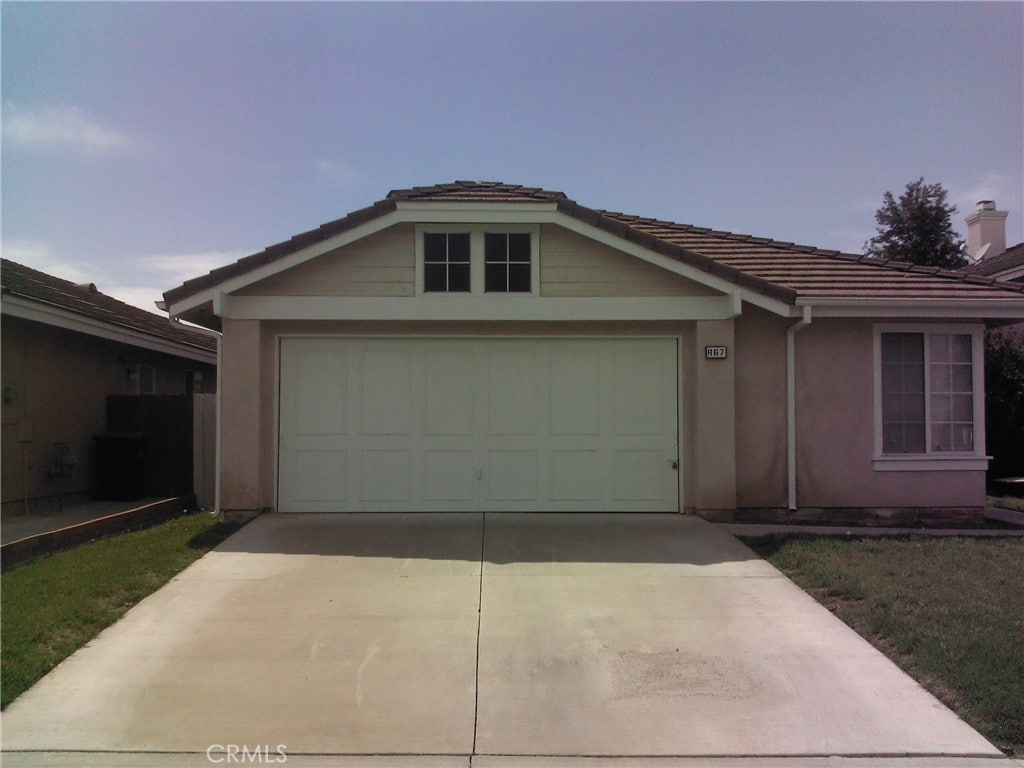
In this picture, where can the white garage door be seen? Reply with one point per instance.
(374, 424)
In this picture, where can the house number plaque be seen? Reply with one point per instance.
(715, 353)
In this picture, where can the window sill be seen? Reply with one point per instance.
(930, 462)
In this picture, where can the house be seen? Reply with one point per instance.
(66, 348)
(485, 346)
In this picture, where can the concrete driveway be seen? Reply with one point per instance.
(503, 639)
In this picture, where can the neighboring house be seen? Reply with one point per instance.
(986, 246)
(482, 346)
(1006, 266)
(66, 347)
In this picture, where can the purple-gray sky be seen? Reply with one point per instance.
(146, 143)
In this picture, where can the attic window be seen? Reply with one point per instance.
(507, 263)
(446, 262)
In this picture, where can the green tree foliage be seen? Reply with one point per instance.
(918, 228)
(1004, 402)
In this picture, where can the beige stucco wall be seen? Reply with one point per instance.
(59, 381)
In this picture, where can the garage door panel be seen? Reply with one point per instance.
(511, 475)
(371, 424)
(385, 475)
(318, 373)
(575, 475)
(448, 475)
(637, 391)
(640, 475)
(574, 391)
(386, 400)
(317, 475)
(449, 391)
(511, 389)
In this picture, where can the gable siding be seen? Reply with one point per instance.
(382, 264)
(573, 265)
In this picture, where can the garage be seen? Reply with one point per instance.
(374, 424)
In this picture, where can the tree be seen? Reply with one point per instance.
(918, 228)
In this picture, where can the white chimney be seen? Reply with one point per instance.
(986, 231)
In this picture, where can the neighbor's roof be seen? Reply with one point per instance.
(1011, 258)
(784, 271)
(86, 301)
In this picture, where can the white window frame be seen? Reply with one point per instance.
(476, 256)
(930, 461)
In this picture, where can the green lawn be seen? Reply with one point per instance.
(54, 605)
(948, 611)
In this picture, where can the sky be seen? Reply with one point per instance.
(147, 143)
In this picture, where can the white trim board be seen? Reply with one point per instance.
(469, 307)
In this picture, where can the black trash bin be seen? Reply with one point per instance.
(120, 466)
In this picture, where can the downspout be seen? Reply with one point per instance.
(791, 402)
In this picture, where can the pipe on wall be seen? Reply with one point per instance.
(791, 332)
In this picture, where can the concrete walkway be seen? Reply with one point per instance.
(498, 640)
(21, 526)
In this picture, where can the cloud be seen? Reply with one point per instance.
(156, 273)
(177, 268)
(57, 128)
(39, 255)
(1004, 189)
(336, 171)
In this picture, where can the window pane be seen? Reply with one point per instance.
(495, 247)
(434, 247)
(913, 408)
(892, 378)
(960, 347)
(495, 278)
(434, 277)
(942, 437)
(914, 437)
(942, 408)
(940, 378)
(963, 437)
(519, 247)
(963, 408)
(458, 278)
(458, 248)
(938, 347)
(892, 347)
(892, 438)
(519, 278)
(913, 378)
(963, 378)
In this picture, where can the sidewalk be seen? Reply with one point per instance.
(22, 526)
(995, 514)
(34, 535)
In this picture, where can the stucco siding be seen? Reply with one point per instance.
(760, 409)
(835, 430)
(382, 264)
(573, 265)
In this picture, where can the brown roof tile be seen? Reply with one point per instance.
(27, 283)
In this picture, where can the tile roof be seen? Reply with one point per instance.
(784, 271)
(85, 300)
(1011, 258)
